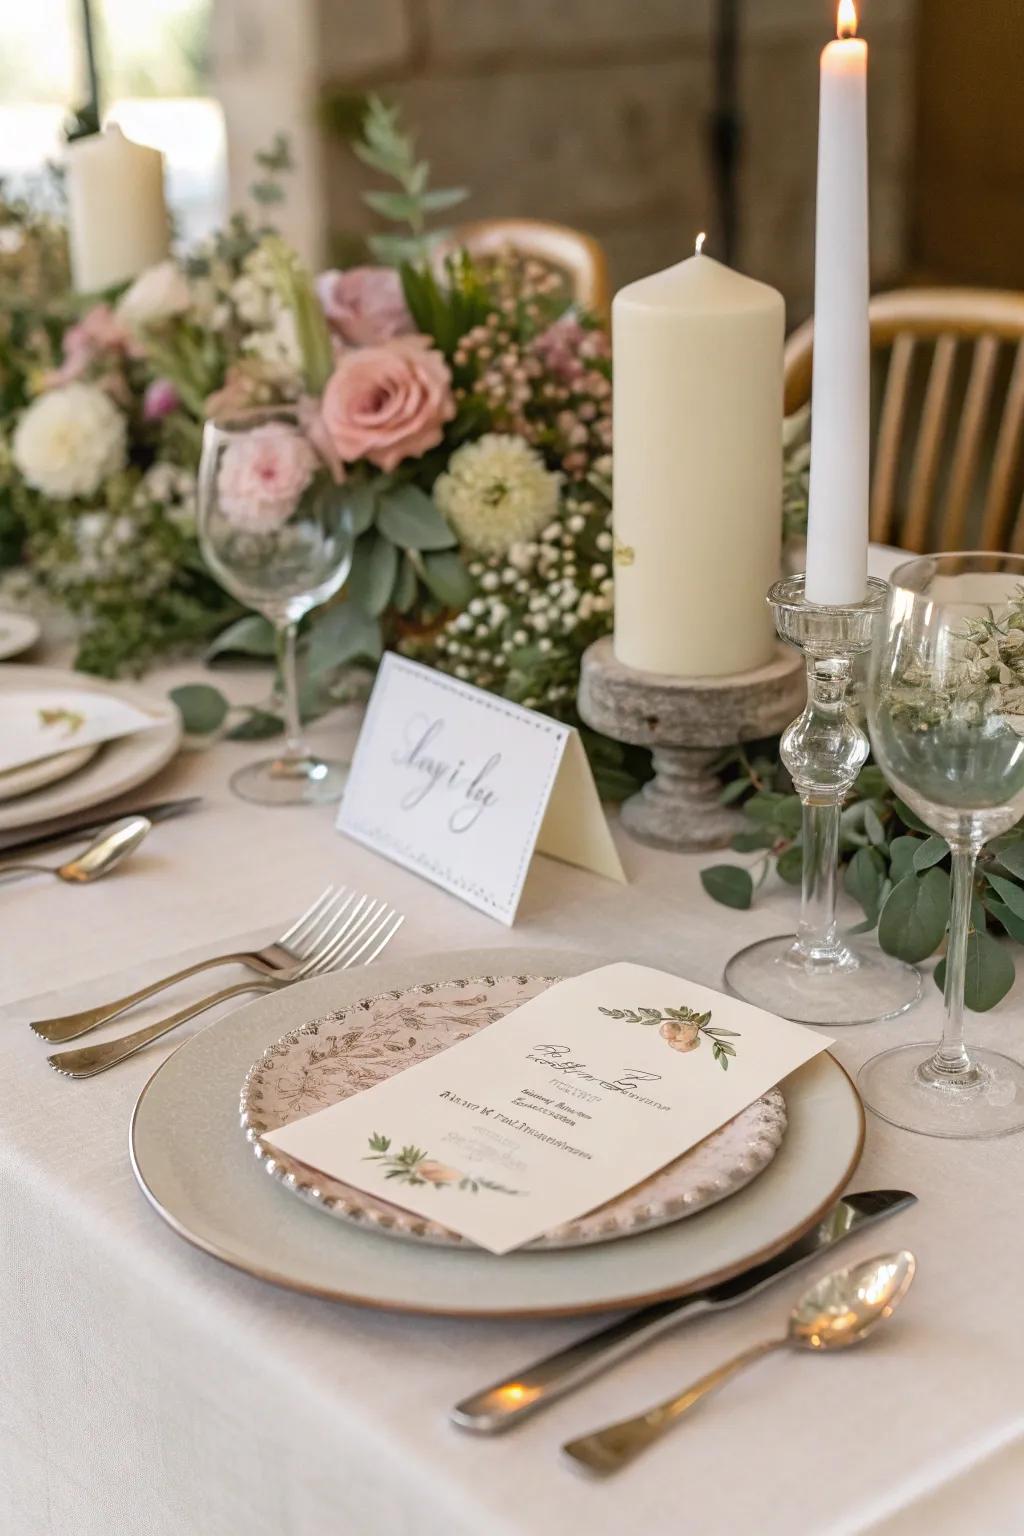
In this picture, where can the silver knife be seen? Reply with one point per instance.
(89, 824)
(508, 1402)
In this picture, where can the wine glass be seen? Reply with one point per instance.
(945, 706)
(277, 532)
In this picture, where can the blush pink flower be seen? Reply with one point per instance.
(365, 305)
(262, 474)
(98, 334)
(160, 399)
(388, 403)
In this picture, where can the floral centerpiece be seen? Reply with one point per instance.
(464, 408)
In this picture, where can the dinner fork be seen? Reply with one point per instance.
(360, 942)
(285, 958)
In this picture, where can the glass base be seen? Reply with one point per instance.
(290, 781)
(852, 986)
(900, 1086)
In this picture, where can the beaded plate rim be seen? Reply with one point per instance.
(372, 1213)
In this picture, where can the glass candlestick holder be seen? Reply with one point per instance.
(817, 975)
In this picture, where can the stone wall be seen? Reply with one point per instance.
(590, 112)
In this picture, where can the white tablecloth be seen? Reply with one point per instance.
(145, 1388)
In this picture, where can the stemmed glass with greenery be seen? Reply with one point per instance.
(946, 716)
(276, 531)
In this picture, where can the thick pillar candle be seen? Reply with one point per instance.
(698, 469)
(837, 528)
(116, 209)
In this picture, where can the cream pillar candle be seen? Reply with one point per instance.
(116, 209)
(837, 524)
(697, 415)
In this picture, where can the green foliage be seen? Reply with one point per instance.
(729, 884)
(387, 148)
(203, 709)
(892, 866)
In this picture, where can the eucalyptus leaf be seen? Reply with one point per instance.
(341, 635)
(203, 708)
(361, 501)
(410, 519)
(790, 864)
(913, 919)
(930, 852)
(1013, 924)
(1010, 853)
(258, 725)
(747, 839)
(734, 790)
(988, 975)
(374, 569)
(251, 636)
(406, 586)
(873, 826)
(728, 884)
(901, 856)
(909, 818)
(445, 574)
(865, 877)
(1008, 891)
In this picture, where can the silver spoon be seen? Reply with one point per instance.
(103, 854)
(840, 1310)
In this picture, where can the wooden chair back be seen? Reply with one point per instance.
(579, 256)
(947, 468)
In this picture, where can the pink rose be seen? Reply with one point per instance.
(98, 333)
(365, 305)
(388, 403)
(160, 399)
(262, 474)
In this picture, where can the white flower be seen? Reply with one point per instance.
(69, 440)
(159, 293)
(496, 493)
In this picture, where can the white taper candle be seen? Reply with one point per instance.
(837, 533)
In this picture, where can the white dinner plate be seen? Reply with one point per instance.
(327, 1060)
(18, 632)
(119, 766)
(199, 1174)
(47, 770)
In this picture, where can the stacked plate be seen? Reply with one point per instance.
(736, 1199)
(63, 778)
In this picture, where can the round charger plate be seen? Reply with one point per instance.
(22, 781)
(18, 632)
(200, 1175)
(327, 1060)
(123, 763)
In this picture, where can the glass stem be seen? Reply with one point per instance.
(952, 1054)
(816, 930)
(295, 746)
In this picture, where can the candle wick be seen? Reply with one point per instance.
(699, 247)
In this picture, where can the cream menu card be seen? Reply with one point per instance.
(565, 1102)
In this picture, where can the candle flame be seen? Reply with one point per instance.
(846, 19)
(699, 247)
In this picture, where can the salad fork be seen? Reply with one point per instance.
(287, 958)
(360, 942)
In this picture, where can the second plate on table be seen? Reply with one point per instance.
(329, 1059)
(116, 767)
(48, 770)
(198, 1173)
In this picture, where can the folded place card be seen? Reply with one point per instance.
(463, 787)
(38, 723)
(564, 1103)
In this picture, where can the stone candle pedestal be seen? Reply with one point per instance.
(687, 721)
